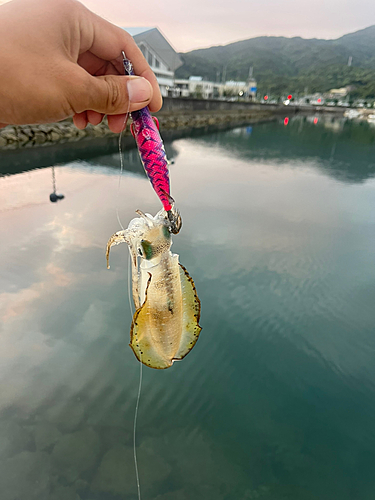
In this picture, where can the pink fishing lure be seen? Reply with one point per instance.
(151, 148)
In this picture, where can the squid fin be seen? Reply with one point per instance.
(191, 311)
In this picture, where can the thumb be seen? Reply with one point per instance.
(112, 94)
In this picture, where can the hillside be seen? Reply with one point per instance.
(291, 64)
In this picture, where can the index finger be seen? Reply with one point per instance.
(106, 41)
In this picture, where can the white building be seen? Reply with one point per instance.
(182, 87)
(337, 93)
(200, 88)
(196, 86)
(252, 88)
(160, 55)
(235, 89)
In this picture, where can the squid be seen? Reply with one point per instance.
(165, 325)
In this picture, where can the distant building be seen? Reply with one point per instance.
(181, 88)
(235, 89)
(196, 86)
(251, 85)
(160, 55)
(317, 100)
(337, 93)
(252, 89)
(199, 87)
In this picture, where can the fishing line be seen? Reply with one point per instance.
(122, 164)
(139, 390)
(134, 430)
(130, 304)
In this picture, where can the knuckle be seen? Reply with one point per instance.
(127, 37)
(114, 96)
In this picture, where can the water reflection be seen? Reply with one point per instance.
(102, 151)
(54, 197)
(343, 148)
(277, 400)
(302, 140)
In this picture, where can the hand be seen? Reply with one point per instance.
(58, 59)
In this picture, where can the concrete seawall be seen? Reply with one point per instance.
(175, 115)
(173, 105)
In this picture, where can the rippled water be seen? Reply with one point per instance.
(277, 399)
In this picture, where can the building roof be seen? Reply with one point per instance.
(342, 90)
(137, 31)
(235, 83)
(157, 41)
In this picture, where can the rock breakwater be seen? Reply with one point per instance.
(29, 136)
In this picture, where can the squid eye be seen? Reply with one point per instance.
(147, 249)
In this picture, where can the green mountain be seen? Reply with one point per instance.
(286, 65)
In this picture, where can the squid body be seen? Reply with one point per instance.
(165, 325)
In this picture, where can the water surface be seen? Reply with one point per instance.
(276, 400)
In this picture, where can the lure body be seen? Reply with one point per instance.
(165, 326)
(151, 148)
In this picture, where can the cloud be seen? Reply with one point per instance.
(197, 24)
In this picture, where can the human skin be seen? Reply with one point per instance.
(58, 59)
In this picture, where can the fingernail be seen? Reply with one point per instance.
(139, 89)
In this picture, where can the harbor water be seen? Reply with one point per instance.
(277, 399)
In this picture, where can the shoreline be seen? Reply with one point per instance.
(178, 115)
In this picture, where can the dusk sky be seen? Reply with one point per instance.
(193, 24)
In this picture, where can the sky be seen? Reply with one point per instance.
(193, 24)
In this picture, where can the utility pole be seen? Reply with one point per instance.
(224, 73)
(251, 85)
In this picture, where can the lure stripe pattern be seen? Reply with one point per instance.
(151, 149)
